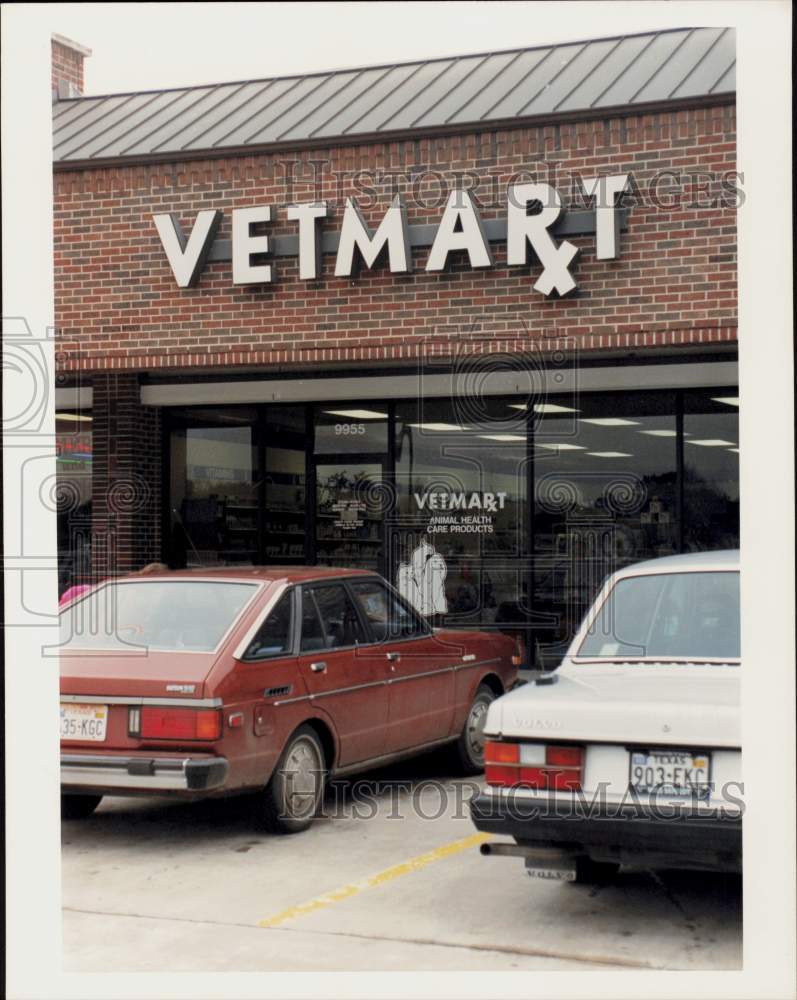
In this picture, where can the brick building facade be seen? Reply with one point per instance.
(659, 318)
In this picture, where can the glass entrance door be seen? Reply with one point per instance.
(349, 513)
(213, 512)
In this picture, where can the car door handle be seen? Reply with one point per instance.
(394, 657)
(318, 667)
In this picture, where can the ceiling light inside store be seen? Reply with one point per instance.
(712, 443)
(609, 421)
(545, 408)
(610, 454)
(72, 416)
(660, 434)
(563, 447)
(439, 427)
(734, 449)
(358, 414)
(503, 437)
(728, 400)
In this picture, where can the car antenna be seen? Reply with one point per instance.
(176, 513)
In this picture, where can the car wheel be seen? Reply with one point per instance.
(595, 872)
(470, 745)
(293, 795)
(79, 806)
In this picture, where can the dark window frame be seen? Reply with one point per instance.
(289, 592)
(428, 630)
(307, 589)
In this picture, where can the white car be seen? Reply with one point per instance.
(630, 752)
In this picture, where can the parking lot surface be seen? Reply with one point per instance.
(390, 878)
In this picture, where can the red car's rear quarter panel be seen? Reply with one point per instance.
(492, 654)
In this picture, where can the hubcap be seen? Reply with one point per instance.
(302, 772)
(476, 720)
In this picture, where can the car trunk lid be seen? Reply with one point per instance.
(640, 703)
(151, 674)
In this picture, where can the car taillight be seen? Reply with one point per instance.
(162, 723)
(533, 765)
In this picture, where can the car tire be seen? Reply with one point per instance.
(79, 806)
(469, 747)
(293, 795)
(595, 872)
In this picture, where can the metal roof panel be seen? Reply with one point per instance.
(113, 140)
(451, 102)
(554, 62)
(427, 99)
(727, 82)
(638, 73)
(652, 67)
(569, 78)
(103, 119)
(337, 107)
(232, 103)
(480, 106)
(148, 135)
(240, 113)
(263, 113)
(334, 93)
(381, 118)
(605, 75)
(704, 75)
(340, 120)
(672, 73)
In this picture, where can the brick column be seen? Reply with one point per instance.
(126, 477)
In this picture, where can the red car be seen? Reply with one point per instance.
(261, 679)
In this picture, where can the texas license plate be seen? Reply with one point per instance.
(670, 772)
(84, 722)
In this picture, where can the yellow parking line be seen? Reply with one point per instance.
(353, 888)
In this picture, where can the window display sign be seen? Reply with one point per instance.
(349, 514)
(460, 513)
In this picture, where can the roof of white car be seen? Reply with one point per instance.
(722, 559)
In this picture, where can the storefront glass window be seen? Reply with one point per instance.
(354, 428)
(605, 495)
(711, 470)
(214, 481)
(456, 539)
(284, 518)
(73, 497)
(441, 510)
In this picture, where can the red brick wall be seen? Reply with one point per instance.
(67, 65)
(126, 477)
(117, 305)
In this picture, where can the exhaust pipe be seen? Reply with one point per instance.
(507, 850)
(542, 862)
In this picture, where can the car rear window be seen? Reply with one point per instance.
(668, 616)
(190, 615)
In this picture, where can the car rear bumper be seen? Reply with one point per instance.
(110, 773)
(616, 830)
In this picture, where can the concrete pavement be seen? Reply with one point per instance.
(391, 878)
